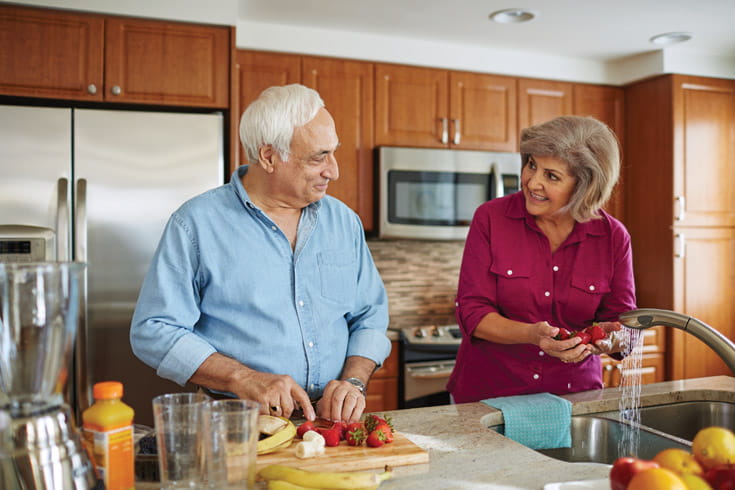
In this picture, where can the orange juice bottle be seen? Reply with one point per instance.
(108, 433)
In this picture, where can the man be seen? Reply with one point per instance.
(264, 288)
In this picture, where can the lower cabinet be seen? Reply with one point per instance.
(652, 365)
(382, 391)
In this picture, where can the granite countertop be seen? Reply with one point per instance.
(464, 454)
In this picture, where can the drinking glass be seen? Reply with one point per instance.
(183, 438)
(234, 426)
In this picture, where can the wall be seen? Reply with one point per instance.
(420, 277)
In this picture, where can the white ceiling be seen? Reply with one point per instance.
(600, 30)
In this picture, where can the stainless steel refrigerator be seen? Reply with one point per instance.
(98, 186)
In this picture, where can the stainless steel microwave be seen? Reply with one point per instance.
(432, 194)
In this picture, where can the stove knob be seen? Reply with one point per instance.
(419, 333)
(435, 331)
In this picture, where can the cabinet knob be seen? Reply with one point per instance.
(92, 89)
(115, 90)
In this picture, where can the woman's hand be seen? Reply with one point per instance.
(569, 350)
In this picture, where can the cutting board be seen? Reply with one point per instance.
(400, 452)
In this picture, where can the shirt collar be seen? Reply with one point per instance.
(236, 182)
(517, 210)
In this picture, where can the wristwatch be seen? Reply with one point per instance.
(357, 383)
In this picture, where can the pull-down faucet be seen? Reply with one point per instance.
(650, 317)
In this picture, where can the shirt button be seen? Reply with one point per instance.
(311, 386)
(301, 303)
(541, 353)
(456, 303)
(547, 294)
(273, 228)
(569, 386)
(510, 272)
(556, 268)
(311, 344)
(592, 288)
(536, 376)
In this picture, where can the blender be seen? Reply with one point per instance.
(40, 448)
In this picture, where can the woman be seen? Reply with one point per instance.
(545, 258)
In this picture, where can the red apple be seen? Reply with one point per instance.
(721, 477)
(624, 468)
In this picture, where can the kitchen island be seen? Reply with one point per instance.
(465, 454)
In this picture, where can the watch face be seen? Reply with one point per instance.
(357, 383)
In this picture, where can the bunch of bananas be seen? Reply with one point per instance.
(280, 477)
(278, 431)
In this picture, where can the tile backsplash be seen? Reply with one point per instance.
(420, 277)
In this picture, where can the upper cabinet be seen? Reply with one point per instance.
(62, 55)
(541, 100)
(347, 90)
(429, 108)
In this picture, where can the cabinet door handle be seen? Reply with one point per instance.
(456, 131)
(92, 89)
(445, 131)
(681, 245)
(116, 90)
(680, 205)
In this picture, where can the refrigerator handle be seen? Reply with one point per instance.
(62, 221)
(83, 398)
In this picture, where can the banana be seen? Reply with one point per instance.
(279, 440)
(269, 425)
(284, 485)
(324, 479)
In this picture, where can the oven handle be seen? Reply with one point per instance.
(426, 372)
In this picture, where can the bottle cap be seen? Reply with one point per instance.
(107, 389)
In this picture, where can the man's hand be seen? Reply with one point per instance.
(341, 401)
(277, 394)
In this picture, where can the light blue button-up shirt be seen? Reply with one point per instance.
(225, 279)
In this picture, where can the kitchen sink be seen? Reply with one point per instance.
(595, 439)
(685, 419)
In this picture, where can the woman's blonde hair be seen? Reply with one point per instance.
(591, 150)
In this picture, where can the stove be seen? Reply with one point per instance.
(428, 356)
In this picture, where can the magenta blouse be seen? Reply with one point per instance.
(508, 268)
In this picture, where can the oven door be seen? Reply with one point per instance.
(424, 383)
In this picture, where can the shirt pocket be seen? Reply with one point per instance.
(586, 293)
(513, 288)
(337, 274)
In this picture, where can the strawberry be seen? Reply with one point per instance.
(341, 427)
(562, 334)
(305, 427)
(355, 434)
(331, 437)
(376, 438)
(372, 421)
(387, 431)
(584, 336)
(596, 332)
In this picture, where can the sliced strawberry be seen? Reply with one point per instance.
(331, 437)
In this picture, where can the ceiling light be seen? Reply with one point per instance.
(669, 38)
(512, 16)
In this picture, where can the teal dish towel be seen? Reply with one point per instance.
(538, 421)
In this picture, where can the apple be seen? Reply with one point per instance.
(624, 468)
(721, 477)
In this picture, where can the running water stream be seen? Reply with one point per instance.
(630, 393)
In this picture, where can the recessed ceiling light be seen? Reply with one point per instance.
(669, 38)
(512, 16)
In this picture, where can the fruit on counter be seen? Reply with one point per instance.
(376, 438)
(309, 449)
(331, 437)
(721, 477)
(341, 427)
(322, 479)
(387, 431)
(714, 446)
(280, 439)
(679, 461)
(269, 424)
(314, 436)
(694, 482)
(355, 434)
(656, 479)
(305, 427)
(624, 468)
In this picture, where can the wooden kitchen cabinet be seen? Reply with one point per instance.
(541, 100)
(434, 108)
(680, 207)
(382, 391)
(63, 55)
(346, 87)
